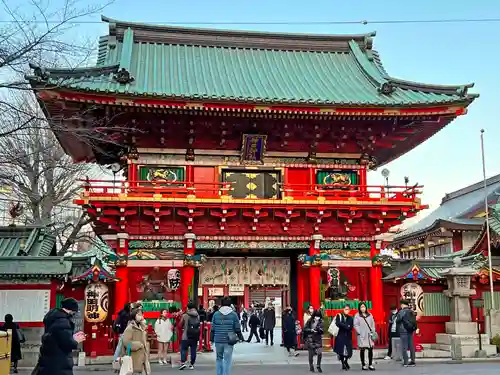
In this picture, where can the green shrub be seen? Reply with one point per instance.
(496, 340)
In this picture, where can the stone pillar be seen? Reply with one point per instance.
(315, 273)
(187, 274)
(122, 292)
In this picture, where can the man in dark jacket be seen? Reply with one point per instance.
(58, 340)
(407, 325)
(119, 326)
(254, 323)
(269, 316)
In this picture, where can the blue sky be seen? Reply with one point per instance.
(450, 53)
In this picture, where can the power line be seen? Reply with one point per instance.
(272, 23)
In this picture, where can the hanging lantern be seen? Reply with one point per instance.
(173, 279)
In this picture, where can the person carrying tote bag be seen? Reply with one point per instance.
(135, 338)
(364, 324)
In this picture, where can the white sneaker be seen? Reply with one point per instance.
(387, 357)
(160, 361)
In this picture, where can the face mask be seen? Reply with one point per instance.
(316, 318)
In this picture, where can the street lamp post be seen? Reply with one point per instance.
(487, 218)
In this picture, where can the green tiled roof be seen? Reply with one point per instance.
(39, 267)
(215, 65)
(22, 240)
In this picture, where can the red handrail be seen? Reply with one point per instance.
(139, 188)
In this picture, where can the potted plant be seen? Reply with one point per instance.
(496, 341)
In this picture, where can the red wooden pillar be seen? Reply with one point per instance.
(376, 287)
(133, 173)
(122, 293)
(300, 292)
(187, 278)
(315, 274)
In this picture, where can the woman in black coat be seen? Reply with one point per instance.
(289, 332)
(343, 341)
(313, 334)
(15, 353)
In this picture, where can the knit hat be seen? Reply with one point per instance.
(69, 304)
(404, 302)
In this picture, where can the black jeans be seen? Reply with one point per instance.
(362, 355)
(185, 345)
(270, 332)
(253, 331)
(407, 344)
(244, 326)
(389, 349)
(312, 352)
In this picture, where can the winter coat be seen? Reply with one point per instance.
(203, 315)
(254, 321)
(269, 319)
(392, 320)
(289, 332)
(164, 330)
(56, 357)
(364, 327)
(190, 314)
(343, 341)
(224, 321)
(313, 333)
(404, 314)
(135, 337)
(15, 353)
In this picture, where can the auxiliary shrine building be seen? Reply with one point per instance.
(245, 156)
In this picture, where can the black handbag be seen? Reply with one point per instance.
(232, 338)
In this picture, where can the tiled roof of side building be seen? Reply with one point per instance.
(25, 240)
(457, 208)
(247, 67)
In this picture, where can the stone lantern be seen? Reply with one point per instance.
(461, 337)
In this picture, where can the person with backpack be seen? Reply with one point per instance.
(190, 335)
(225, 333)
(407, 325)
(119, 326)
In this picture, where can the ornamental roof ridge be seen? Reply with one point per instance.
(167, 34)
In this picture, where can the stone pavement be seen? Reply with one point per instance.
(489, 368)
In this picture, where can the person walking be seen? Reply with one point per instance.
(59, 340)
(119, 326)
(407, 325)
(364, 324)
(164, 332)
(393, 330)
(190, 335)
(343, 341)
(269, 315)
(135, 343)
(244, 320)
(225, 333)
(290, 332)
(17, 340)
(313, 335)
(254, 324)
